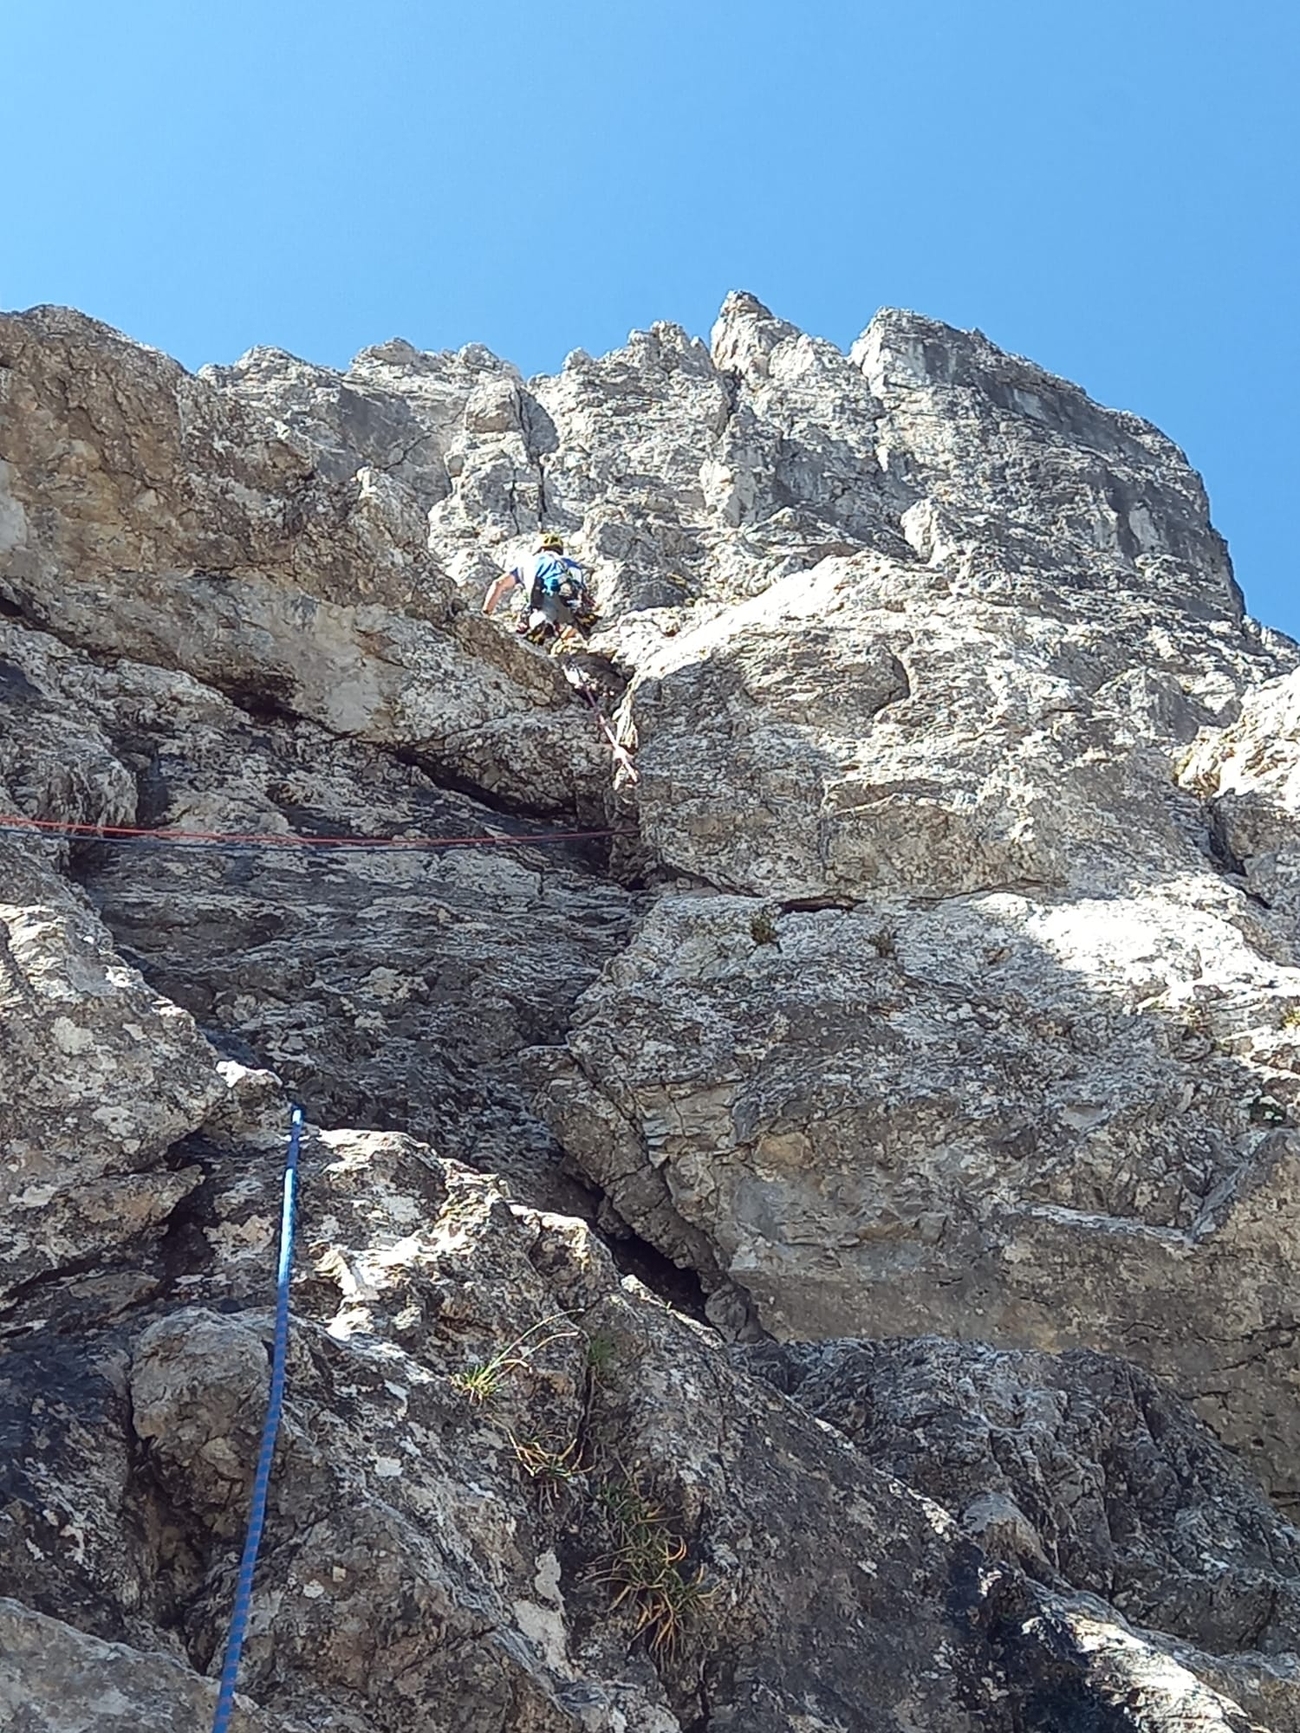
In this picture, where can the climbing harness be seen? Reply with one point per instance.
(16, 824)
(274, 1404)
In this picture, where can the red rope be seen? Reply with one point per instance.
(13, 821)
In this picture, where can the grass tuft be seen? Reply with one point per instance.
(762, 928)
(555, 1473)
(481, 1382)
(647, 1568)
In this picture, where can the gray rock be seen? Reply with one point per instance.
(1250, 775)
(56, 1679)
(456, 959)
(1078, 1467)
(941, 978)
(99, 1077)
(148, 514)
(486, 1435)
(1035, 1123)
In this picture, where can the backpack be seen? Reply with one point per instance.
(553, 575)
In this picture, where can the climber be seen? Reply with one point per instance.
(556, 593)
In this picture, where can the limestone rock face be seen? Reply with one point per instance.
(1088, 1473)
(1250, 775)
(98, 1078)
(996, 705)
(478, 1454)
(100, 1075)
(1080, 1468)
(1056, 1124)
(456, 958)
(924, 1018)
(56, 1679)
(149, 514)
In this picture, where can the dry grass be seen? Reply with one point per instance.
(647, 1568)
(555, 1473)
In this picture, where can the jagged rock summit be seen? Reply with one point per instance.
(820, 1253)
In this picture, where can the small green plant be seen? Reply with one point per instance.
(1291, 1017)
(762, 929)
(553, 1471)
(602, 1351)
(481, 1382)
(647, 1569)
(883, 942)
(1264, 1110)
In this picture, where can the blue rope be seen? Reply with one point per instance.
(274, 1405)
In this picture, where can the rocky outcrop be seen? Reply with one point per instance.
(149, 514)
(1078, 1466)
(1018, 1121)
(1084, 1471)
(56, 1679)
(928, 999)
(480, 1498)
(102, 1077)
(1249, 774)
(456, 959)
(993, 705)
(1024, 1079)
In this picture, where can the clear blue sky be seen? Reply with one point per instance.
(1107, 187)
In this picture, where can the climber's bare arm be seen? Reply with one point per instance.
(505, 583)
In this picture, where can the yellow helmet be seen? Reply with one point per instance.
(551, 544)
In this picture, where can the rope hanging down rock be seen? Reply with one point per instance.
(271, 1426)
(621, 754)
